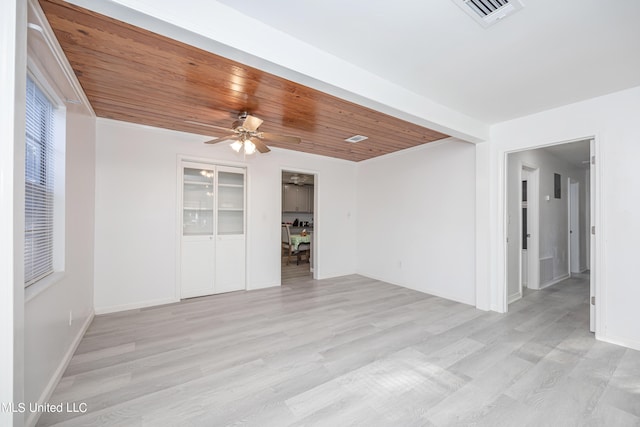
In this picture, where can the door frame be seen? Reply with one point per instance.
(533, 226)
(596, 253)
(185, 158)
(597, 284)
(315, 266)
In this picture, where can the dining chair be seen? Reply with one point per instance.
(303, 248)
(287, 247)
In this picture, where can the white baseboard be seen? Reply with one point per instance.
(424, 291)
(624, 342)
(334, 274)
(33, 417)
(135, 305)
(515, 297)
(262, 286)
(554, 281)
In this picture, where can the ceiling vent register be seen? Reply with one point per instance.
(356, 138)
(489, 12)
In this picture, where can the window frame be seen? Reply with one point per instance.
(56, 163)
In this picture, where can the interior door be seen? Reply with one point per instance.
(230, 274)
(574, 227)
(593, 248)
(524, 221)
(197, 241)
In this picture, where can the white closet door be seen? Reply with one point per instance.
(198, 266)
(198, 246)
(230, 264)
(231, 224)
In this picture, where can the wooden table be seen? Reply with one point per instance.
(296, 241)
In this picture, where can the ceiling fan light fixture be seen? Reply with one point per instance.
(246, 135)
(249, 147)
(236, 146)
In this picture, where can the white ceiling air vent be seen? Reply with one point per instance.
(357, 138)
(488, 12)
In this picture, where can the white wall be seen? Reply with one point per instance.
(553, 213)
(416, 219)
(12, 129)
(49, 339)
(136, 212)
(612, 119)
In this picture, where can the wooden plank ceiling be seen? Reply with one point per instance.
(134, 75)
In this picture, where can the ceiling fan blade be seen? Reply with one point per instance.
(252, 123)
(280, 138)
(260, 146)
(221, 139)
(208, 125)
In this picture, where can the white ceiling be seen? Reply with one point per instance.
(575, 153)
(551, 53)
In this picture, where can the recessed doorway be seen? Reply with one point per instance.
(549, 212)
(298, 226)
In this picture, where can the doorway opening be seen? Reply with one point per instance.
(549, 211)
(529, 237)
(298, 226)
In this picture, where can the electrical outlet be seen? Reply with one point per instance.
(70, 317)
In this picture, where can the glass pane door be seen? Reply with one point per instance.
(197, 205)
(230, 202)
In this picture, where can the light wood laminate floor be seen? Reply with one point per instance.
(351, 351)
(293, 271)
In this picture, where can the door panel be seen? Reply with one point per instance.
(230, 270)
(198, 268)
(212, 256)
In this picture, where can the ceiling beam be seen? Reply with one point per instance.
(224, 31)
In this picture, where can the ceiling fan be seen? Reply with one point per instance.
(296, 179)
(246, 134)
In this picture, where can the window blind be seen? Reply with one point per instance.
(39, 189)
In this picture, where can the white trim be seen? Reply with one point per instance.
(177, 291)
(264, 286)
(515, 297)
(423, 291)
(520, 233)
(555, 281)
(533, 226)
(315, 270)
(58, 54)
(569, 209)
(216, 164)
(135, 305)
(208, 160)
(12, 134)
(334, 274)
(46, 86)
(624, 342)
(498, 290)
(32, 291)
(33, 417)
(598, 254)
